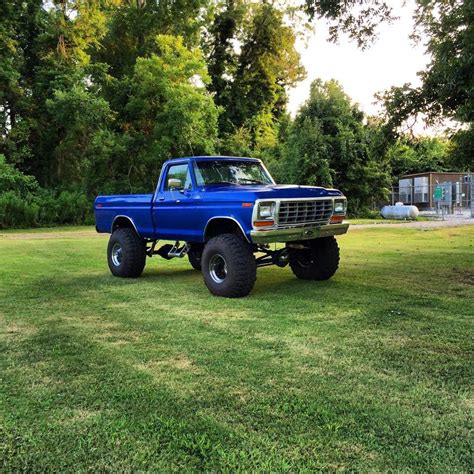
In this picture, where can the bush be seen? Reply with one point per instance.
(47, 203)
(73, 207)
(44, 208)
(12, 179)
(366, 213)
(17, 211)
(23, 203)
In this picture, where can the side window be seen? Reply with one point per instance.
(181, 173)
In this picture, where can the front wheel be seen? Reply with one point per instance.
(319, 260)
(228, 266)
(126, 253)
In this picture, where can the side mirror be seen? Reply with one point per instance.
(174, 183)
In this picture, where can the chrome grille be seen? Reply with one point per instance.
(304, 212)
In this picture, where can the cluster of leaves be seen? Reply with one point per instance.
(447, 88)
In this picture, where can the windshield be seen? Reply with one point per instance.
(231, 172)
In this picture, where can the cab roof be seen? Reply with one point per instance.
(215, 157)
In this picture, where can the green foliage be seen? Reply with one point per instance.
(169, 112)
(134, 25)
(72, 207)
(11, 179)
(79, 117)
(448, 82)
(328, 144)
(462, 156)
(238, 143)
(417, 155)
(95, 95)
(17, 210)
(306, 154)
(253, 84)
(358, 19)
(24, 204)
(222, 58)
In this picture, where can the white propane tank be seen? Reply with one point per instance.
(399, 211)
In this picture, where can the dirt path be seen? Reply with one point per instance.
(420, 224)
(51, 235)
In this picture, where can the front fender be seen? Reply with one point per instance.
(244, 228)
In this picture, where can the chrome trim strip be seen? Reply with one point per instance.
(224, 217)
(126, 217)
(297, 233)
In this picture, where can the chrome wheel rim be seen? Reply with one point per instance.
(117, 254)
(218, 268)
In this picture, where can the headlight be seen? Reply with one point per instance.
(266, 210)
(340, 206)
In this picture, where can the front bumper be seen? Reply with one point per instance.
(297, 233)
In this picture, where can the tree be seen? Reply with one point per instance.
(417, 155)
(306, 155)
(357, 18)
(222, 56)
(267, 64)
(169, 111)
(82, 121)
(330, 145)
(134, 24)
(20, 25)
(447, 90)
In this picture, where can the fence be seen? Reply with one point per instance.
(455, 197)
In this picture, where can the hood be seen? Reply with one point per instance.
(272, 191)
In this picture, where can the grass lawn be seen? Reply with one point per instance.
(371, 370)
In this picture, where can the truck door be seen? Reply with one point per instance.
(173, 207)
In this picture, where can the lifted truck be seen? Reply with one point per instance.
(223, 213)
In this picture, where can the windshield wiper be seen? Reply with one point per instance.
(221, 182)
(251, 181)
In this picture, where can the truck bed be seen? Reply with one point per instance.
(107, 208)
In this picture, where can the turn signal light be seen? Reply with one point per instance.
(336, 219)
(263, 223)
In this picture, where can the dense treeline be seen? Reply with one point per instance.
(95, 95)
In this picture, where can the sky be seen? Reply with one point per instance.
(391, 61)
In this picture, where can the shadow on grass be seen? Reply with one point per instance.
(95, 411)
(81, 406)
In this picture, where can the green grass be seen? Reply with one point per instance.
(371, 370)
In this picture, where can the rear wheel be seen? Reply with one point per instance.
(318, 261)
(195, 256)
(228, 266)
(126, 253)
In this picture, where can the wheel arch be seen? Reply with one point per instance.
(123, 222)
(224, 225)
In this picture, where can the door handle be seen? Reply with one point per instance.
(178, 200)
(161, 198)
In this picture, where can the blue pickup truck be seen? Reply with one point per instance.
(223, 213)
